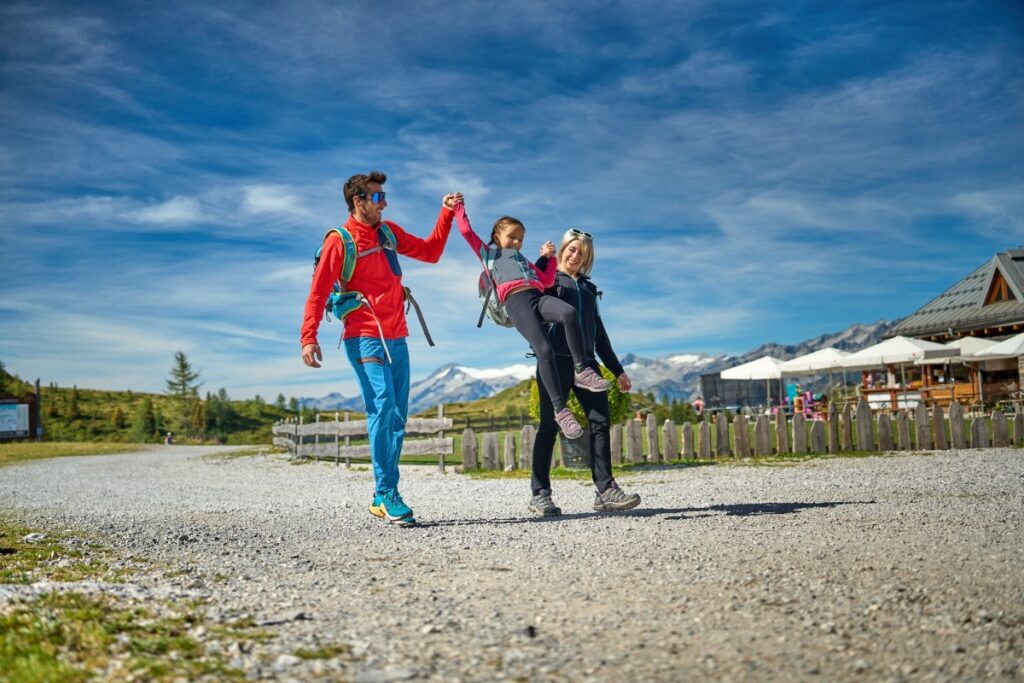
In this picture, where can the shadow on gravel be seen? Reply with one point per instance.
(734, 510)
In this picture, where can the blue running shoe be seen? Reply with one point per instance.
(390, 506)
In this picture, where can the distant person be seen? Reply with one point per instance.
(520, 285)
(698, 405)
(169, 439)
(573, 285)
(375, 333)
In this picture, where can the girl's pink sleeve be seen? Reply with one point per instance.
(547, 276)
(462, 220)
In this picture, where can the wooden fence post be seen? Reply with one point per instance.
(510, 453)
(615, 442)
(762, 436)
(957, 436)
(670, 440)
(704, 442)
(740, 437)
(721, 434)
(468, 449)
(817, 437)
(298, 438)
(489, 452)
(846, 428)
(833, 428)
(924, 428)
(782, 432)
(527, 436)
(653, 451)
(634, 448)
(865, 435)
(903, 431)
(348, 442)
(687, 450)
(799, 434)
(979, 433)
(1000, 430)
(939, 427)
(1018, 429)
(440, 435)
(884, 432)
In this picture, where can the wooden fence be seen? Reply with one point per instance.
(649, 442)
(331, 439)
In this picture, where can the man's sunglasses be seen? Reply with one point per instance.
(376, 197)
(574, 231)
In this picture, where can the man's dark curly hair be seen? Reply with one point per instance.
(359, 185)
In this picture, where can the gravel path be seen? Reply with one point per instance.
(908, 567)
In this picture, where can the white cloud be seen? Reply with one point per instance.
(174, 211)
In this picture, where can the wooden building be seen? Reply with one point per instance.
(988, 304)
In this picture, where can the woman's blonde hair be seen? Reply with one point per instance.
(504, 223)
(586, 248)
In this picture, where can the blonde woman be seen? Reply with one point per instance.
(573, 285)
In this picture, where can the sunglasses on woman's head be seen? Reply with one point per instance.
(574, 231)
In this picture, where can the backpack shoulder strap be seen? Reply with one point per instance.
(349, 254)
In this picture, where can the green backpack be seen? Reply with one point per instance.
(343, 300)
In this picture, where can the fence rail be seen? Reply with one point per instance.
(649, 442)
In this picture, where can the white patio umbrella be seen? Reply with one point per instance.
(822, 360)
(765, 367)
(1009, 348)
(896, 351)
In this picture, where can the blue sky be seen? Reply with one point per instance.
(752, 172)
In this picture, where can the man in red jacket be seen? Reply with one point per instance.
(375, 333)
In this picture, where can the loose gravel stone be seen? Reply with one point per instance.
(885, 568)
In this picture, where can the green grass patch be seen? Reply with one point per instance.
(54, 557)
(73, 637)
(324, 651)
(37, 450)
(69, 636)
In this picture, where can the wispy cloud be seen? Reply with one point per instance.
(750, 171)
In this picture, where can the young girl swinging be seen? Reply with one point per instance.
(520, 286)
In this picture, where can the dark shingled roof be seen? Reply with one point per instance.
(962, 306)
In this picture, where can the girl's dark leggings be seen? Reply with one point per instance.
(595, 407)
(529, 310)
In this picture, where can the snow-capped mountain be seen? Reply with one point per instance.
(453, 384)
(676, 376)
(448, 384)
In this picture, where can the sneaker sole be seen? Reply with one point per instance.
(397, 521)
(617, 507)
(593, 389)
(540, 513)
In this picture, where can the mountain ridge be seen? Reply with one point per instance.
(676, 376)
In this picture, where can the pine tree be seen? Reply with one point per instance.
(144, 423)
(117, 418)
(293, 404)
(280, 402)
(182, 385)
(73, 412)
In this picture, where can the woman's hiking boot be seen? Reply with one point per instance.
(391, 507)
(586, 378)
(614, 499)
(568, 424)
(542, 505)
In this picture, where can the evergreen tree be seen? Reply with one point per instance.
(182, 385)
(73, 412)
(3, 377)
(293, 404)
(144, 422)
(117, 417)
(280, 402)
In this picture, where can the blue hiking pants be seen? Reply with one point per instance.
(385, 388)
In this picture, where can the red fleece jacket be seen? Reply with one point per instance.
(373, 278)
